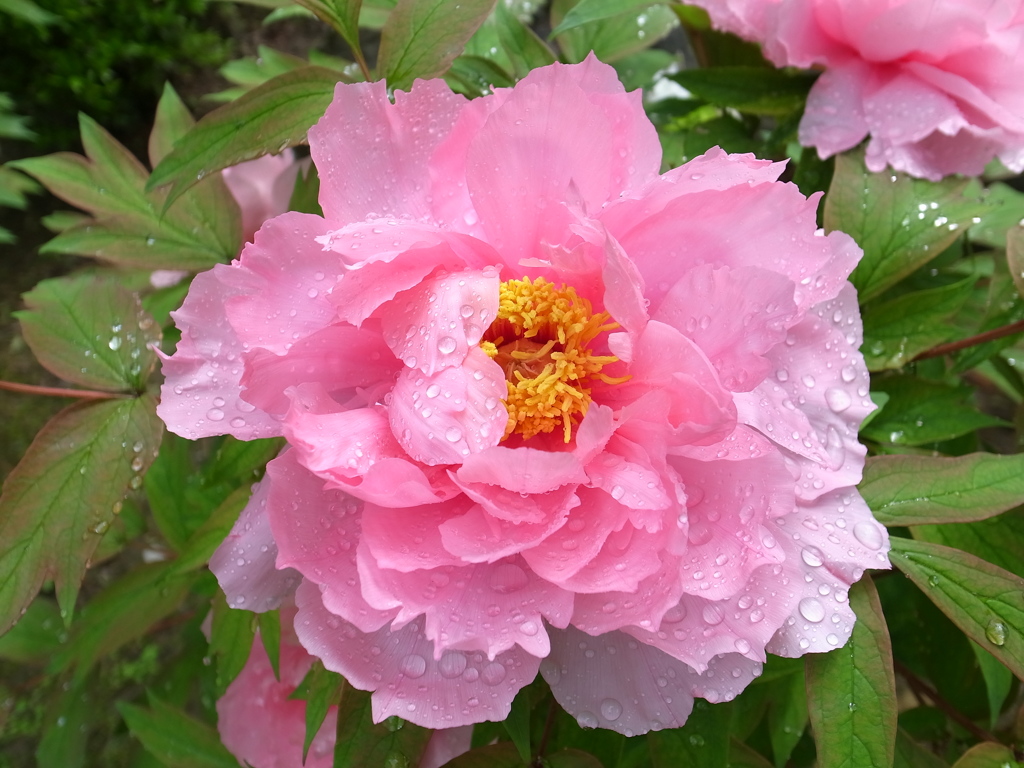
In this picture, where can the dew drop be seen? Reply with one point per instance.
(868, 534)
(413, 666)
(838, 399)
(812, 610)
(995, 631)
(493, 673)
(611, 710)
(446, 345)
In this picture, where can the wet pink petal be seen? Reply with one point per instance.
(245, 563)
(262, 188)
(604, 612)
(521, 470)
(445, 745)
(614, 681)
(407, 682)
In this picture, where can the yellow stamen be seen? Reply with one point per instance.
(541, 339)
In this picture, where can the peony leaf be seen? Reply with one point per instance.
(231, 635)
(37, 636)
(90, 331)
(361, 744)
(501, 755)
(1015, 256)
(29, 11)
(986, 602)
(525, 50)
(517, 724)
(1005, 210)
(122, 612)
(587, 11)
(988, 754)
(742, 756)
(422, 37)
(269, 118)
(270, 635)
(616, 37)
(133, 227)
(900, 222)
(174, 738)
(851, 692)
(997, 540)
(910, 754)
(321, 689)
(756, 90)
(702, 742)
(60, 499)
(998, 681)
(65, 735)
(342, 15)
(787, 716)
(898, 330)
(199, 548)
(916, 490)
(572, 758)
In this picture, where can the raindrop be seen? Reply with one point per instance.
(996, 632)
(811, 556)
(868, 534)
(413, 666)
(838, 399)
(452, 664)
(453, 434)
(611, 710)
(446, 345)
(812, 610)
(493, 673)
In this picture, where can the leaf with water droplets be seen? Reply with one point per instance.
(362, 744)
(90, 331)
(998, 540)
(174, 738)
(985, 601)
(525, 50)
(702, 742)
(900, 222)
(916, 490)
(1015, 256)
(343, 15)
(587, 11)
(321, 689)
(998, 681)
(988, 754)
(231, 634)
(910, 754)
(851, 692)
(71, 479)
(613, 37)
(421, 38)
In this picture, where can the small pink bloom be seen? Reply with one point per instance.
(939, 86)
(262, 188)
(544, 406)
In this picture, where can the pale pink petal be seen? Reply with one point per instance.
(445, 417)
(479, 537)
(634, 484)
(433, 326)
(753, 308)
(516, 507)
(489, 607)
(603, 612)
(258, 722)
(397, 482)
(627, 558)
(373, 156)
(245, 563)
(262, 188)
(201, 393)
(834, 119)
(410, 539)
(613, 681)
(522, 470)
(399, 667)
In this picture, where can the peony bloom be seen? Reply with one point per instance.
(939, 86)
(545, 408)
(263, 728)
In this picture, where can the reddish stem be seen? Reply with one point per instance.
(80, 394)
(971, 341)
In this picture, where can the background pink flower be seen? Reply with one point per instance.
(939, 86)
(546, 408)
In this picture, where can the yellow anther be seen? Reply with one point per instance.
(541, 338)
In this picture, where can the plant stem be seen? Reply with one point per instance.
(920, 687)
(543, 745)
(971, 341)
(80, 394)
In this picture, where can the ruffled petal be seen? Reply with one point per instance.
(480, 537)
(522, 470)
(399, 667)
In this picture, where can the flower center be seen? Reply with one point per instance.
(541, 340)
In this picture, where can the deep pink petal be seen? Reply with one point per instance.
(613, 681)
(373, 156)
(445, 417)
(603, 612)
(399, 667)
(410, 539)
(245, 563)
(627, 557)
(834, 118)
(479, 537)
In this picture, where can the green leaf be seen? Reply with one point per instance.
(742, 756)
(174, 738)
(66, 730)
(587, 11)
(61, 498)
(362, 744)
(422, 38)
(702, 742)
(998, 540)
(787, 716)
(1005, 209)
(900, 222)
(231, 635)
(37, 636)
(1015, 256)
(501, 755)
(306, 193)
(342, 15)
(756, 90)
(896, 331)
(122, 612)
(525, 50)
(133, 227)
(988, 754)
(517, 724)
(998, 681)
(616, 37)
(269, 118)
(14, 186)
(270, 635)
(29, 11)
(986, 602)
(851, 692)
(90, 331)
(198, 550)
(915, 490)
(921, 411)
(572, 758)
(910, 754)
(321, 689)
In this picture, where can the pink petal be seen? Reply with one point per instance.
(262, 188)
(627, 557)
(200, 396)
(634, 484)
(834, 118)
(373, 156)
(410, 539)
(445, 745)
(258, 722)
(399, 667)
(445, 417)
(245, 563)
(489, 607)
(616, 682)
(478, 536)
(515, 507)
(603, 612)
(434, 325)
(339, 357)
(522, 470)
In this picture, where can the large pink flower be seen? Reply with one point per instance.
(544, 407)
(939, 86)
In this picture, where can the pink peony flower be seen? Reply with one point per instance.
(263, 728)
(545, 408)
(939, 86)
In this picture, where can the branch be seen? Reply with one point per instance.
(920, 687)
(81, 394)
(971, 341)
